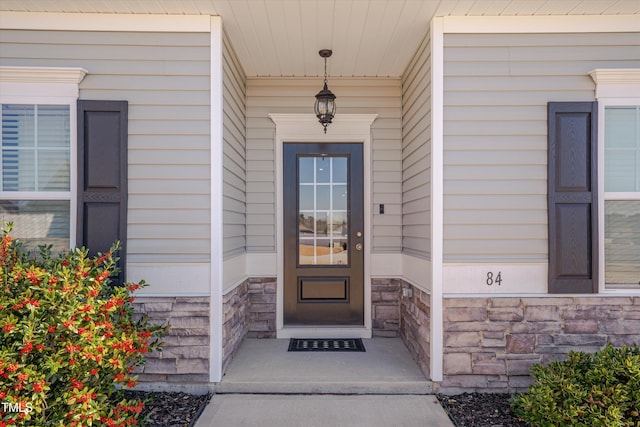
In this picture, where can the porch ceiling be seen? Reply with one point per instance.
(368, 37)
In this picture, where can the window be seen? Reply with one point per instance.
(38, 154)
(618, 94)
(622, 196)
(35, 173)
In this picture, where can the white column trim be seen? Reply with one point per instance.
(346, 128)
(217, 276)
(437, 196)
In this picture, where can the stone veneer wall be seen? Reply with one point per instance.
(491, 343)
(235, 320)
(385, 307)
(185, 356)
(415, 326)
(249, 310)
(262, 307)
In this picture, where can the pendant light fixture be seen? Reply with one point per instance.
(325, 106)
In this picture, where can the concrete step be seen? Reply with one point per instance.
(321, 411)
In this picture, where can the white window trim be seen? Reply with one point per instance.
(40, 86)
(614, 87)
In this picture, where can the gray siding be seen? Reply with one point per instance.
(234, 160)
(496, 88)
(354, 96)
(416, 154)
(165, 78)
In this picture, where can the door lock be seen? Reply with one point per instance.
(359, 234)
(358, 246)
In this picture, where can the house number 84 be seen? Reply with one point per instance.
(491, 279)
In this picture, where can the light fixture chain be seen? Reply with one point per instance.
(325, 70)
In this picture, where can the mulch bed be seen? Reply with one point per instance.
(170, 409)
(480, 410)
(465, 410)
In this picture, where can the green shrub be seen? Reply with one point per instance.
(600, 389)
(68, 340)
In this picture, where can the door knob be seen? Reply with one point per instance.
(358, 246)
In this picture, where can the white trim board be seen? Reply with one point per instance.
(171, 279)
(482, 278)
(386, 266)
(106, 22)
(417, 271)
(540, 24)
(301, 128)
(234, 272)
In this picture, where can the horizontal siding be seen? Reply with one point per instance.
(165, 79)
(416, 154)
(495, 133)
(354, 96)
(234, 154)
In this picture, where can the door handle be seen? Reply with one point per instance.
(358, 246)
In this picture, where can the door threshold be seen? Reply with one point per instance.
(323, 332)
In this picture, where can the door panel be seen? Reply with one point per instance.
(323, 234)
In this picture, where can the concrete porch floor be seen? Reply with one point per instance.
(268, 386)
(264, 366)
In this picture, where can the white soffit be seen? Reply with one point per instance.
(281, 38)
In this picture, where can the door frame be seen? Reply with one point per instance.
(304, 128)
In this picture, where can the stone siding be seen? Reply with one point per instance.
(490, 344)
(385, 307)
(262, 307)
(235, 321)
(415, 326)
(185, 356)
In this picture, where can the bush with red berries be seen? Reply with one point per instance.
(69, 341)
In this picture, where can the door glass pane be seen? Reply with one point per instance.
(323, 169)
(306, 169)
(339, 170)
(323, 217)
(340, 197)
(322, 197)
(306, 198)
(622, 243)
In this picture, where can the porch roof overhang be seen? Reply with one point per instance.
(369, 38)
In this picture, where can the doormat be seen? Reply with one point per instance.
(326, 344)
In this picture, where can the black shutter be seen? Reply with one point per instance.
(102, 177)
(573, 197)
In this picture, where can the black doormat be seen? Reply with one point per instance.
(326, 344)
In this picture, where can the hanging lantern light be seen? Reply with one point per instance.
(325, 106)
